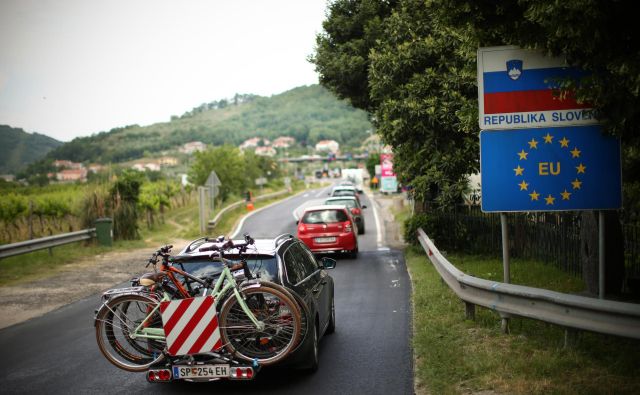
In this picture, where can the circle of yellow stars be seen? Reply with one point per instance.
(550, 199)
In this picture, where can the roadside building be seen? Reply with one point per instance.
(167, 161)
(255, 142)
(193, 146)
(283, 142)
(95, 168)
(265, 151)
(328, 146)
(67, 164)
(72, 175)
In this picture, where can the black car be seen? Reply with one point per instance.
(286, 261)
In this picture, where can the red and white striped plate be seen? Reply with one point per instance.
(190, 325)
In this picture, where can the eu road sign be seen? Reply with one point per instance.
(550, 169)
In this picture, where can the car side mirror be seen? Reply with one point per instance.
(297, 221)
(328, 263)
(364, 206)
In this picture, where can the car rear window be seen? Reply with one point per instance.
(345, 192)
(324, 216)
(264, 266)
(346, 202)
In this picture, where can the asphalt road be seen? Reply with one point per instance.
(368, 354)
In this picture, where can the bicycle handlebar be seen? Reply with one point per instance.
(162, 251)
(229, 245)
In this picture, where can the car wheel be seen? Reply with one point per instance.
(354, 254)
(331, 328)
(313, 354)
(361, 229)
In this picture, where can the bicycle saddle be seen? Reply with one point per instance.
(149, 279)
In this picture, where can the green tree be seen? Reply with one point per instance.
(412, 65)
(229, 164)
(125, 194)
(420, 87)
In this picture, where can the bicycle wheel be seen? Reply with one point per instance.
(303, 313)
(280, 315)
(115, 323)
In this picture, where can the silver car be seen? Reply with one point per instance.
(353, 205)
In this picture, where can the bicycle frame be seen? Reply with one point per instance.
(220, 288)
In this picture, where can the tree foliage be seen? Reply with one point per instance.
(412, 64)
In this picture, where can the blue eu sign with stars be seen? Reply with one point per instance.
(550, 169)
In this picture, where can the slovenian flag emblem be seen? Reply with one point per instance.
(521, 89)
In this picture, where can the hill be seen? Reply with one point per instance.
(308, 113)
(19, 148)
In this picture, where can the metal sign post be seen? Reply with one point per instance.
(601, 252)
(506, 269)
(202, 209)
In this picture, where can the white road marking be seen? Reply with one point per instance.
(378, 227)
(323, 191)
(236, 231)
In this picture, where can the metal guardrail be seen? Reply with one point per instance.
(212, 223)
(25, 247)
(571, 311)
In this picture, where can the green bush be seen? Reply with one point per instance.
(441, 228)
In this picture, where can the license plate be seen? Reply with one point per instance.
(325, 239)
(200, 371)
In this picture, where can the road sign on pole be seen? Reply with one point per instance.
(388, 180)
(550, 169)
(213, 183)
(260, 181)
(519, 89)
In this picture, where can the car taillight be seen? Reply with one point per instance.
(347, 227)
(355, 211)
(159, 375)
(242, 373)
(301, 229)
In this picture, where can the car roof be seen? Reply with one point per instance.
(344, 187)
(260, 247)
(336, 198)
(325, 207)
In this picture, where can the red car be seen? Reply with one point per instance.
(329, 228)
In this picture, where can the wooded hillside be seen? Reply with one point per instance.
(19, 148)
(308, 113)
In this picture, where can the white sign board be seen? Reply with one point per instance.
(213, 182)
(518, 89)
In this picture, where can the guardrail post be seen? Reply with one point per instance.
(571, 336)
(470, 311)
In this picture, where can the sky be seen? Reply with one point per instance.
(71, 68)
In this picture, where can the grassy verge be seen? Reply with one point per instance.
(458, 356)
(178, 223)
(454, 355)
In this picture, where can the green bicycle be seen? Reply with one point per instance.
(258, 321)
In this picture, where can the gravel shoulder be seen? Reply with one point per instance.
(76, 281)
